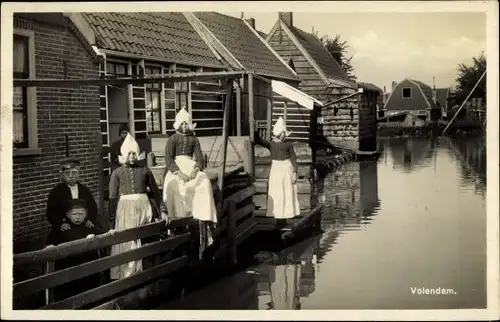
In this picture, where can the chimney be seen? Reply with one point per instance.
(385, 90)
(393, 85)
(251, 22)
(287, 18)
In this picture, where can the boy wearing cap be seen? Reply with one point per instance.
(76, 215)
(67, 190)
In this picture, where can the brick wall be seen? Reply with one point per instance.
(61, 111)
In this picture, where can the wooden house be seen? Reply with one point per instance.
(442, 99)
(415, 97)
(322, 78)
(50, 123)
(164, 43)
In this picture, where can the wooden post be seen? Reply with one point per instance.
(101, 176)
(238, 108)
(225, 136)
(285, 111)
(251, 120)
(232, 232)
(49, 293)
(313, 136)
(269, 116)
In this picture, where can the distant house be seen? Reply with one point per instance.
(415, 97)
(324, 79)
(50, 123)
(442, 99)
(403, 119)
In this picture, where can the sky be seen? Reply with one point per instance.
(389, 47)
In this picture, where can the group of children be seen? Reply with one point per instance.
(135, 199)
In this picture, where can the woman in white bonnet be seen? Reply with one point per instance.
(282, 196)
(129, 204)
(187, 190)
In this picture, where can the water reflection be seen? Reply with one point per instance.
(429, 232)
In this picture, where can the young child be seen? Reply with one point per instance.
(76, 214)
(282, 197)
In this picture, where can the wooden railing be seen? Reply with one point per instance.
(235, 225)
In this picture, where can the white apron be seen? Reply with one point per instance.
(282, 193)
(285, 287)
(194, 197)
(132, 211)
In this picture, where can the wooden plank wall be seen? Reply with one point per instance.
(297, 117)
(341, 120)
(368, 121)
(311, 83)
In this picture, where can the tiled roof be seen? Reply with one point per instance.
(166, 35)
(441, 96)
(244, 45)
(427, 90)
(370, 86)
(320, 54)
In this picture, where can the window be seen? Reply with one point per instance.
(24, 98)
(182, 92)
(153, 107)
(407, 92)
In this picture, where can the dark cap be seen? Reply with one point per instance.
(76, 204)
(122, 127)
(69, 163)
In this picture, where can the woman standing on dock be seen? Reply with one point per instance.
(282, 195)
(186, 188)
(129, 204)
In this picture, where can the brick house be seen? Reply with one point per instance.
(47, 45)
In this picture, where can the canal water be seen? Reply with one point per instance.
(412, 222)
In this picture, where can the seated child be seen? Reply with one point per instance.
(76, 214)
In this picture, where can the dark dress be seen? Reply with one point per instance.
(279, 150)
(132, 179)
(56, 237)
(115, 152)
(56, 204)
(183, 144)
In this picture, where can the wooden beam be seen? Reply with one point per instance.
(225, 137)
(239, 196)
(251, 121)
(118, 286)
(285, 110)
(269, 118)
(100, 241)
(137, 80)
(238, 108)
(53, 279)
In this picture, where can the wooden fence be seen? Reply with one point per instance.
(236, 223)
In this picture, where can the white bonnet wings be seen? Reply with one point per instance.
(280, 127)
(183, 116)
(129, 145)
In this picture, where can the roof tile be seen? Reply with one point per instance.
(246, 47)
(319, 54)
(167, 35)
(427, 90)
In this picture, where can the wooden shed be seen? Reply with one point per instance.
(324, 79)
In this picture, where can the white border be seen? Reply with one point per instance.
(489, 7)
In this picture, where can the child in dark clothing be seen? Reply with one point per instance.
(76, 215)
